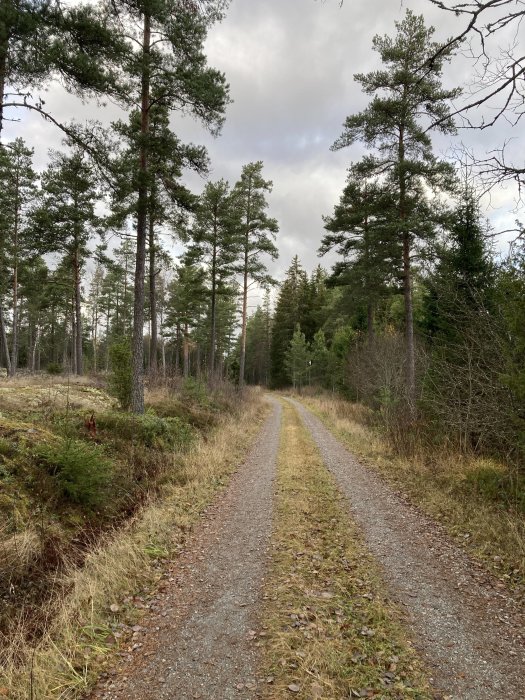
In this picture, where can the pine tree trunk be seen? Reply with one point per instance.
(5, 345)
(177, 349)
(186, 354)
(242, 362)
(137, 344)
(79, 360)
(409, 326)
(213, 334)
(153, 343)
(14, 351)
(410, 359)
(35, 349)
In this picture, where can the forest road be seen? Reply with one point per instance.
(468, 630)
(198, 642)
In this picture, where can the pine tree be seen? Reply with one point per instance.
(17, 192)
(407, 90)
(359, 231)
(186, 305)
(169, 70)
(256, 231)
(65, 221)
(215, 245)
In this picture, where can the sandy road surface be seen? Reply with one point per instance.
(198, 641)
(470, 631)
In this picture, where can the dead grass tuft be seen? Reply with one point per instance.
(331, 632)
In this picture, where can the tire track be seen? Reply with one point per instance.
(198, 642)
(470, 632)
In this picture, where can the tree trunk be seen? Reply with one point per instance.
(153, 343)
(244, 319)
(177, 349)
(78, 315)
(14, 340)
(213, 334)
(35, 349)
(186, 354)
(410, 359)
(137, 344)
(370, 324)
(5, 345)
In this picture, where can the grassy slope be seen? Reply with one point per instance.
(330, 631)
(87, 617)
(444, 485)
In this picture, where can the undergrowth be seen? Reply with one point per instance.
(331, 632)
(91, 502)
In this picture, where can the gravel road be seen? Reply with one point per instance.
(199, 641)
(468, 629)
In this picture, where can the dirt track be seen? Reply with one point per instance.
(469, 631)
(198, 642)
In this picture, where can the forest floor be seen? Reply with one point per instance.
(336, 587)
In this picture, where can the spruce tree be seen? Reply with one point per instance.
(297, 359)
(256, 233)
(291, 308)
(406, 93)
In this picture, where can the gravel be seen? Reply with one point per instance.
(465, 624)
(200, 640)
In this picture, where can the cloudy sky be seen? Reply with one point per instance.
(290, 65)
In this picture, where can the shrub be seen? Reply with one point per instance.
(54, 368)
(119, 382)
(83, 472)
(150, 430)
(195, 391)
(498, 485)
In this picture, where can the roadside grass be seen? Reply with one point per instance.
(88, 621)
(462, 492)
(330, 632)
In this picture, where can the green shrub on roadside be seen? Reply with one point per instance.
(119, 380)
(54, 368)
(497, 485)
(194, 391)
(148, 429)
(82, 471)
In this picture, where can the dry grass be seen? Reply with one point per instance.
(45, 394)
(331, 633)
(65, 661)
(439, 483)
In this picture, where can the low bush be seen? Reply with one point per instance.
(149, 430)
(54, 368)
(119, 380)
(82, 471)
(503, 486)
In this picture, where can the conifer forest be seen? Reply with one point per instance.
(262, 349)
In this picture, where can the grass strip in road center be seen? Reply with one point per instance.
(330, 631)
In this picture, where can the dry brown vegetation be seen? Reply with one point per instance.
(450, 487)
(83, 617)
(331, 633)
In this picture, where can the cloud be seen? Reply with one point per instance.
(290, 66)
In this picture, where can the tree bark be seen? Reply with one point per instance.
(153, 343)
(370, 324)
(5, 344)
(410, 359)
(242, 362)
(79, 360)
(186, 354)
(137, 344)
(14, 350)
(213, 333)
